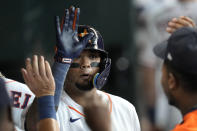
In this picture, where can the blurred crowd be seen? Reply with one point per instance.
(152, 20)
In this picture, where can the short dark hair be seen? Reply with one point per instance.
(187, 81)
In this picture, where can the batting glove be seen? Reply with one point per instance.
(68, 45)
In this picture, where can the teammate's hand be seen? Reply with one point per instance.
(97, 113)
(182, 21)
(68, 44)
(38, 76)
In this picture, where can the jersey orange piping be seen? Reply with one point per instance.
(10, 81)
(72, 108)
(109, 101)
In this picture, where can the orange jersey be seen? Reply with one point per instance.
(189, 122)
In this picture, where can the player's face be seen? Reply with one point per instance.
(166, 85)
(86, 67)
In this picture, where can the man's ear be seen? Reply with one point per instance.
(172, 82)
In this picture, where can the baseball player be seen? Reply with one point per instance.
(179, 74)
(87, 74)
(22, 98)
(80, 51)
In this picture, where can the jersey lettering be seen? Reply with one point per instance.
(16, 99)
(27, 97)
(16, 95)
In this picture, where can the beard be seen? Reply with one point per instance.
(83, 84)
(86, 86)
(171, 99)
(167, 92)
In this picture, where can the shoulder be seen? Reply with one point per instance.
(189, 122)
(22, 99)
(13, 85)
(119, 103)
(124, 112)
(21, 95)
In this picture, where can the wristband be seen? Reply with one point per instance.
(46, 107)
(63, 60)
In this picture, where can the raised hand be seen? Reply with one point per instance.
(68, 44)
(38, 76)
(182, 21)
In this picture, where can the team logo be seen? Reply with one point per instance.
(73, 120)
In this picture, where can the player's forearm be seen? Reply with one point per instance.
(59, 73)
(47, 114)
(48, 124)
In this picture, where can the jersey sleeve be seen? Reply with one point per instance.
(22, 99)
(132, 115)
(135, 119)
(124, 116)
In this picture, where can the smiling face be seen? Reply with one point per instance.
(81, 76)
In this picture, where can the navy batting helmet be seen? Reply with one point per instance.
(97, 44)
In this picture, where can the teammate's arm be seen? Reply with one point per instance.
(68, 47)
(182, 21)
(39, 78)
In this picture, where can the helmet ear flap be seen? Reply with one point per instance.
(101, 78)
(104, 63)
